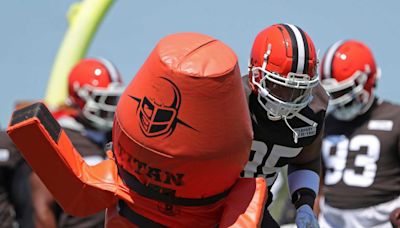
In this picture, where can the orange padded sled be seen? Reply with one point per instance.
(182, 130)
(82, 190)
(245, 204)
(181, 136)
(185, 115)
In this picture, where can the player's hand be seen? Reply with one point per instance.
(395, 218)
(306, 218)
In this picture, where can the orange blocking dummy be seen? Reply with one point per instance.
(181, 137)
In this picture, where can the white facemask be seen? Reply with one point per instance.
(348, 113)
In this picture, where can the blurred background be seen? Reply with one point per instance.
(31, 33)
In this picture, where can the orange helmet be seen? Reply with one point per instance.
(174, 122)
(349, 75)
(282, 70)
(94, 85)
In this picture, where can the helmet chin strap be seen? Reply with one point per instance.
(306, 120)
(295, 134)
(273, 117)
(298, 115)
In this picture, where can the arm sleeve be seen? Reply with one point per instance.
(303, 174)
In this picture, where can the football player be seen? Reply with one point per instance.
(15, 195)
(94, 86)
(361, 149)
(287, 107)
(15, 206)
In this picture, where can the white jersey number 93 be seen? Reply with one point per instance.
(335, 150)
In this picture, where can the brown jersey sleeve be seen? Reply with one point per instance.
(309, 157)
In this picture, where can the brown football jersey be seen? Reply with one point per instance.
(273, 144)
(10, 160)
(361, 158)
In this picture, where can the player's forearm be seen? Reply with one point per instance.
(303, 182)
(320, 190)
(42, 202)
(44, 219)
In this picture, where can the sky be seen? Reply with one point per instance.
(32, 31)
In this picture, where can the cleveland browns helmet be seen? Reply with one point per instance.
(94, 86)
(282, 70)
(349, 74)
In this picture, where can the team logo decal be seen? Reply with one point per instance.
(158, 113)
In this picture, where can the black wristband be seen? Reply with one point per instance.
(303, 196)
